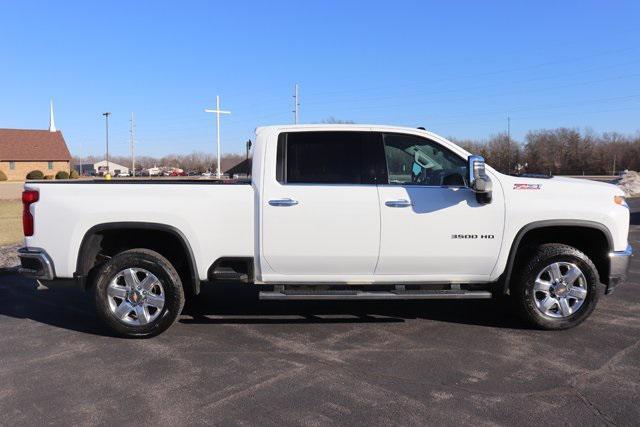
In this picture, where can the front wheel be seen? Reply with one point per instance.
(556, 287)
(138, 293)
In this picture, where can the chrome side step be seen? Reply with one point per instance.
(328, 295)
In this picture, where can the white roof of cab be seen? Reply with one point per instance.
(363, 127)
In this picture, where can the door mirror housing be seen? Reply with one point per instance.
(479, 181)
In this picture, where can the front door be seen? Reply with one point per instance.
(432, 226)
(321, 216)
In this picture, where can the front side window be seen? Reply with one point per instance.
(326, 157)
(12, 165)
(50, 165)
(413, 160)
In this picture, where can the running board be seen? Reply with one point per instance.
(303, 295)
(228, 274)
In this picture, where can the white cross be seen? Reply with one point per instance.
(218, 111)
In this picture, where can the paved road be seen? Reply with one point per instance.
(234, 360)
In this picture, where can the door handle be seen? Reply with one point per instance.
(283, 202)
(402, 203)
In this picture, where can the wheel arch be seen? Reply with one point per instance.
(546, 227)
(93, 239)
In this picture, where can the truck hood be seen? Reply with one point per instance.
(586, 183)
(559, 184)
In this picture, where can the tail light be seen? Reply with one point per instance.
(28, 197)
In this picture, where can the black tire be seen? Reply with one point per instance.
(523, 294)
(150, 261)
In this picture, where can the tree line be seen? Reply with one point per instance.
(561, 151)
(196, 161)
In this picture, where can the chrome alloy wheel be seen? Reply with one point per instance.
(560, 289)
(136, 296)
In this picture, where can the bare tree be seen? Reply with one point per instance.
(555, 151)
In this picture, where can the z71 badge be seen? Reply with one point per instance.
(527, 186)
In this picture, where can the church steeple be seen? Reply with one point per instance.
(52, 122)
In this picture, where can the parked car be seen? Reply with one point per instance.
(335, 212)
(207, 174)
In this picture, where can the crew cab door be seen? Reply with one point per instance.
(433, 228)
(320, 209)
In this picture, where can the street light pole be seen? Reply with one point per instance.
(106, 116)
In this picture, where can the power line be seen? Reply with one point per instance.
(368, 101)
(430, 102)
(485, 74)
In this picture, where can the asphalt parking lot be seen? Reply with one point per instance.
(232, 359)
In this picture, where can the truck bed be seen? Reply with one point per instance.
(146, 180)
(215, 217)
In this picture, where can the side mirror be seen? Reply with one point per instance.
(479, 181)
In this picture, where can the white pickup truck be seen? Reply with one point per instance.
(333, 212)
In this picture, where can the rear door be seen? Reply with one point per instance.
(321, 216)
(432, 225)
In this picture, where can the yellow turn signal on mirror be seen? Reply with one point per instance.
(619, 200)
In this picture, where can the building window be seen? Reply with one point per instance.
(50, 165)
(12, 165)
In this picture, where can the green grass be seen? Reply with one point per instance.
(10, 222)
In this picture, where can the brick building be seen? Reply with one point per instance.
(24, 150)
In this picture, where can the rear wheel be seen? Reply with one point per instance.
(138, 293)
(556, 287)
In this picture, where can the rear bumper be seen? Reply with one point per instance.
(618, 267)
(36, 263)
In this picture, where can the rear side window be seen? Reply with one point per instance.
(327, 158)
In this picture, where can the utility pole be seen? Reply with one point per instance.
(218, 111)
(132, 131)
(296, 104)
(614, 165)
(508, 145)
(106, 116)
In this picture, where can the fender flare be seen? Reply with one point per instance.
(88, 240)
(544, 224)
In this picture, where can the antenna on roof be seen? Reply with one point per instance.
(52, 122)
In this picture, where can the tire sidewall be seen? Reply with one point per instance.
(162, 269)
(526, 295)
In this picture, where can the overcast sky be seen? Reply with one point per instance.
(458, 68)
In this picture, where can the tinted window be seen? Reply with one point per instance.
(412, 160)
(327, 158)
